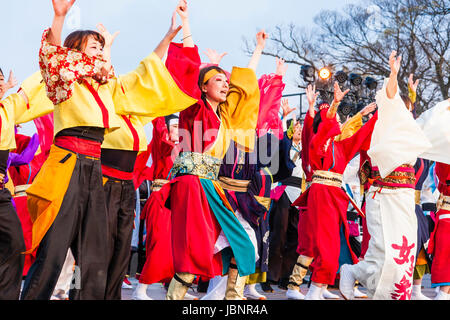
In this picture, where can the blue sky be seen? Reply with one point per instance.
(215, 24)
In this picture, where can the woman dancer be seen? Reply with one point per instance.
(70, 210)
(199, 208)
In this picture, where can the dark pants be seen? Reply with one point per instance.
(283, 239)
(12, 245)
(121, 202)
(81, 225)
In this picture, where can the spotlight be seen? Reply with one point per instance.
(308, 72)
(324, 73)
(341, 77)
(355, 79)
(370, 83)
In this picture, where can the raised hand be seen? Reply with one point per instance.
(61, 7)
(368, 109)
(214, 57)
(286, 108)
(338, 94)
(395, 62)
(261, 38)
(311, 95)
(281, 67)
(182, 9)
(413, 85)
(12, 81)
(109, 38)
(174, 29)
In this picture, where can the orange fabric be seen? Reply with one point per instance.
(47, 192)
(222, 195)
(421, 259)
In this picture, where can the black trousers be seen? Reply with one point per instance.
(283, 239)
(12, 245)
(81, 225)
(121, 203)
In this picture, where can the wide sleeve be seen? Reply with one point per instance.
(27, 154)
(327, 129)
(307, 134)
(239, 113)
(397, 139)
(435, 125)
(351, 126)
(184, 64)
(45, 127)
(149, 91)
(360, 140)
(271, 89)
(61, 67)
(38, 102)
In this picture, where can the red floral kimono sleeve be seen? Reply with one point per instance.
(61, 67)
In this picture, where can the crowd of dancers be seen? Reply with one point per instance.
(236, 195)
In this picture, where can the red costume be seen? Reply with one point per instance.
(327, 203)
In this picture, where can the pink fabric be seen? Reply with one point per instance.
(276, 193)
(271, 87)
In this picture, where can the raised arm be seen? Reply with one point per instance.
(338, 96)
(183, 12)
(392, 85)
(311, 96)
(261, 38)
(163, 46)
(61, 8)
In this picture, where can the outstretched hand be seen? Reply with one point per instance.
(338, 94)
(12, 81)
(368, 109)
(395, 62)
(182, 9)
(62, 7)
(311, 95)
(286, 108)
(214, 56)
(281, 67)
(261, 38)
(109, 38)
(413, 85)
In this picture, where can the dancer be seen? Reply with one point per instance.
(17, 108)
(387, 268)
(70, 211)
(197, 202)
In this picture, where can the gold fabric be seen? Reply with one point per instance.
(327, 178)
(299, 273)
(235, 285)
(394, 177)
(177, 290)
(234, 184)
(257, 277)
(238, 114)
(443, 203)
(350, 127)
(197, 164)
(158, 184)
(417, 195)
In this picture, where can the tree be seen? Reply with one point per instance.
(361, 37)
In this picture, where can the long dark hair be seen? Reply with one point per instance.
(316, 122)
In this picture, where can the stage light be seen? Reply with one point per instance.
(308, 73)
(324, 73)
(370, 83)
(341, 77)
(345, 108)
(355, 79)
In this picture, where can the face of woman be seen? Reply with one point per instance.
(173, 133)
(217, 88)
(2, 85)
(93, 48)
(297, 132)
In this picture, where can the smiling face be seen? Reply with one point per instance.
(93, 48)
(173, 133)
(216, 89)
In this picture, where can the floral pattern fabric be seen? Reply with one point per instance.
(61, 67)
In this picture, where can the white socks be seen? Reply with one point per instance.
(313, 293)
(417, 293)
(442, 296)
(141, 292)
